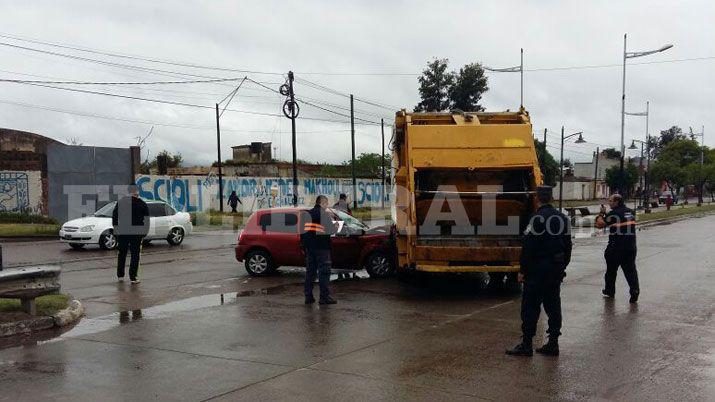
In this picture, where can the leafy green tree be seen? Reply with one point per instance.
(369, 165)
(630, 173)
(611, 153)
(434, 87)
(467, 89)
(328, 171)
(548, 165)
(669, 172)
(172, 161)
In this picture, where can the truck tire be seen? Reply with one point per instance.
(378, 265)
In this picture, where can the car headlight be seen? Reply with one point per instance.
(87, 228)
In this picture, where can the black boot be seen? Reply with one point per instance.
(607, 294)
(309, 299)
(634, 298)
(551, 348)
(522, 349)
(327, 300)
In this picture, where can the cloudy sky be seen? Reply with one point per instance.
(373, 49)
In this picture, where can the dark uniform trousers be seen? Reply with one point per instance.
(132, 244)
(542, 287)
(626, 259)
(318, 262)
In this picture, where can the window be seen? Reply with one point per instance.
(169, 210)
(156, 209)
(279, 222)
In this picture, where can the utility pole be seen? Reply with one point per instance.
(291, 110)
(521, 80)
(292, 129)
(545, 130)
(218, 151)
(382, 162)
(561, 171)
(352, 140)
(595, 173)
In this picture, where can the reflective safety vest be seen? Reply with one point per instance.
(314, 227)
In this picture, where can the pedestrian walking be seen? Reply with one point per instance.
(233, 201)
(621, 250)
(342, 204)
(315, 238)
(545, 254)
(130, 221)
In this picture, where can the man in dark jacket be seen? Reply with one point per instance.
(130, 219)
(233, 201)
(315, 237)
(546, 251)
(621, 250)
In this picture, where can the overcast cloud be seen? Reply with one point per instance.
(359, 37)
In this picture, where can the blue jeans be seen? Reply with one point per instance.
(318, 261)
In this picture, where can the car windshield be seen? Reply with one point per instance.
(352, 222)
(106, 211)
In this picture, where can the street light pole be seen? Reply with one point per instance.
(580, 140)
(623, 118)
(520, 69)
(631, 55)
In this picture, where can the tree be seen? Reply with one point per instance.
(434, 87)
(613, 177)
(369, 165)
(172, 161)
(668, 172)
(611, 153)
(467, 89)
(548, 165)
(567, 163)
(668, 136)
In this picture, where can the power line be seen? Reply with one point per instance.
(134, 57)
(147, 122)
(120, 82)
(176, 103)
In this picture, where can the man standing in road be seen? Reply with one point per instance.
(130, 219)
(621, 250)
(546, 251)
(315, 238)
(342, 204)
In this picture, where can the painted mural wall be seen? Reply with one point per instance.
(20, 191)
(200, 193)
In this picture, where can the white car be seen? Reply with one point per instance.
(164, 224)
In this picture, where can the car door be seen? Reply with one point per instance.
(346, 247)
(281, 231)
(158, 222)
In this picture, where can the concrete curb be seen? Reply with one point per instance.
(62, 318)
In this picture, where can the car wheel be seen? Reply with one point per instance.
(77, 246)
(378, 265)
(108, 241)
(176, 236)
(259, 263)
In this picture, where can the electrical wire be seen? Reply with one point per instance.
(115, 83)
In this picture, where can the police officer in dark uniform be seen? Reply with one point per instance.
(315, 238)
(621, 250)
(546, 251)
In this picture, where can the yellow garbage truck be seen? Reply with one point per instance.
(464, 187)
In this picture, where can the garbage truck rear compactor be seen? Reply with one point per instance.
(464, 188)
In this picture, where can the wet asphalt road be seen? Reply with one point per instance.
(198, 328)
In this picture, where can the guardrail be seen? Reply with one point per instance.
(29, 283)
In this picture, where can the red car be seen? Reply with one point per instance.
(271, 239)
